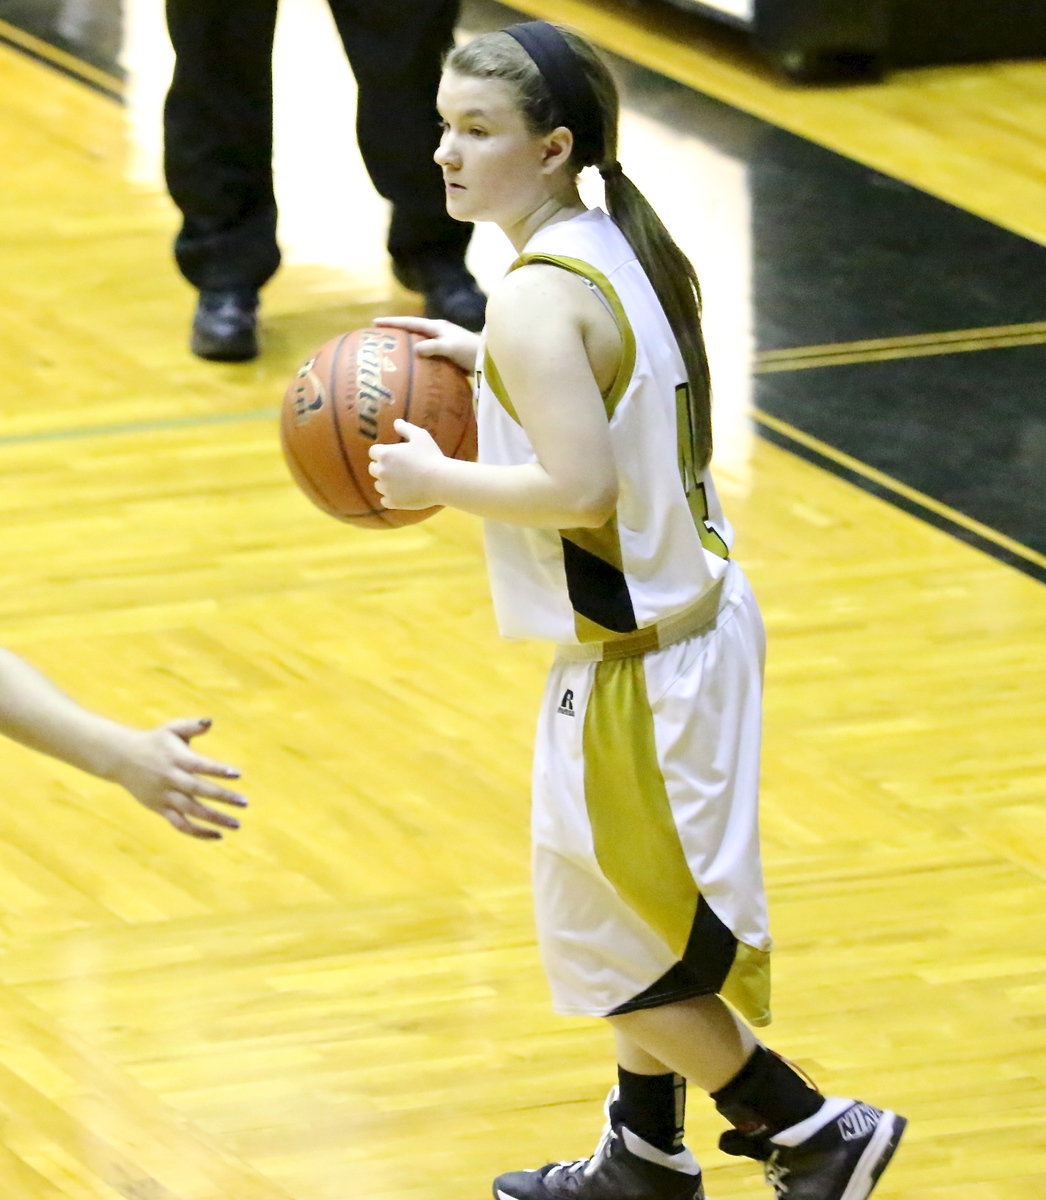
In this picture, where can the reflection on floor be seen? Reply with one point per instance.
(797, 246)
(199, 1022)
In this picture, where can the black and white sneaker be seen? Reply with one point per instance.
(623, 1167)
(837, 1154)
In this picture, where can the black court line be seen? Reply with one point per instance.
(881, 485)
(988, 544)
(963, 429)
(61, 60)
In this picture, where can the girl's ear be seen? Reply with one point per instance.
(559, 145)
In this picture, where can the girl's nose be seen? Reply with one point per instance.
(444, 155)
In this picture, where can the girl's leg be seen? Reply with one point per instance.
(700, 1039)
(704, 1041)
(819, 1148)
(651, 1098)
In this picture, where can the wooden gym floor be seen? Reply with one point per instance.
(344, 999)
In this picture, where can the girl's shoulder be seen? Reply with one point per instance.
(539, 282)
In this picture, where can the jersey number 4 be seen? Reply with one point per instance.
(693, 487)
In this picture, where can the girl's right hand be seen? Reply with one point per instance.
(443, 339)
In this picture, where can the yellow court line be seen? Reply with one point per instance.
(804, 357)
(69, 62)
(902, 489)
(959, 341)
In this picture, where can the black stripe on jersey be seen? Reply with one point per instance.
(706, 962)
(598, 591)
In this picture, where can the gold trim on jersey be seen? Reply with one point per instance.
(590, 632)
(617, 310)
(596, 582)
(603, 543)
(597, 542)
(696, 619)
(497, 386)
(577, 266)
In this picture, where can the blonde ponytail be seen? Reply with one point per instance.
(675, 281)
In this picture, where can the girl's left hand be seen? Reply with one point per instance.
(405, 472)
(440, 339)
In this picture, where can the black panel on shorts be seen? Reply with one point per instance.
(706, 962)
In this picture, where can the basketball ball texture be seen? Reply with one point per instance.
(344, 399)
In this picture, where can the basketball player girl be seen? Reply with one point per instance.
(604, 535)
(157, 766)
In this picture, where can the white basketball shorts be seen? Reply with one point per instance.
(647, 874)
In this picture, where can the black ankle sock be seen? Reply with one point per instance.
(767, 1095)
(653, 1107)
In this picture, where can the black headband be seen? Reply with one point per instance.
(567, 83)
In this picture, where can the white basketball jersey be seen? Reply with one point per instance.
(668, 541)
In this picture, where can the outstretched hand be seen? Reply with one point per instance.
(443, 339)
(162, 771)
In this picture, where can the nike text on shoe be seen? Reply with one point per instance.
(614, 1172)
(837, 1154)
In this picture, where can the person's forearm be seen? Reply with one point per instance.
(519, 495)
(36, 713)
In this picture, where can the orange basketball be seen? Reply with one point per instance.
(345, 398)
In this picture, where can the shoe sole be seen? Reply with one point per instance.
(500, 1195)
(228, 354)
(882, 1146)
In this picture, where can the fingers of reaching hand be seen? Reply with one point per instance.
(209, 766)
(188, 727)
(183, 804)
(183, 812)
(177, 818)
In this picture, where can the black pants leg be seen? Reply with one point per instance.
(218, 141)
(395, 49)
